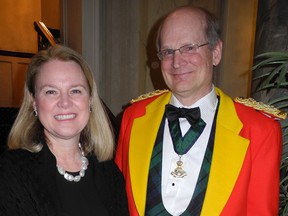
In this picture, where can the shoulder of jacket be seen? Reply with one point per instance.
(149, 95)
(267, 110)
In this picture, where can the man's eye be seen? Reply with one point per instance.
(167, 52)
(188, 49)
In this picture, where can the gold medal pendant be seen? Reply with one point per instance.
(178, 171)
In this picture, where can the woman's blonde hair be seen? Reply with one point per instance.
(27, 132)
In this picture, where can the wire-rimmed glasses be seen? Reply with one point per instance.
(168, 54)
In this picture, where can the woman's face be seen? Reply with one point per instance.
(62, 99)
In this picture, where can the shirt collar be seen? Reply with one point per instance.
(208, 103)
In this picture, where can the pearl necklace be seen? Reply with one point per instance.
(84, 166)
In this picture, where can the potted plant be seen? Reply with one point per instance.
(271, 78)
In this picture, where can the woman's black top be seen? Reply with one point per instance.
(31, 185)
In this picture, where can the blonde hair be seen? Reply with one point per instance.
(27, 132)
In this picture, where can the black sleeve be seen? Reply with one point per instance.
(16, 196)
(113, 189)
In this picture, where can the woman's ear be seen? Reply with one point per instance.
(33, 103)
(32, 99)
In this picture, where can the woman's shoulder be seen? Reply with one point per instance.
(107, 171)
(109, 167)
(15, 157)
(16, 162)
(13, 163)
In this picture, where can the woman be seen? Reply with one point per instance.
(61, 145)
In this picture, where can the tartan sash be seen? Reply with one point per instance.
(154, 203)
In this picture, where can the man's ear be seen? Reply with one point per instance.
(217, 53)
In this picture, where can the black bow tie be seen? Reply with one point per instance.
(192, 115)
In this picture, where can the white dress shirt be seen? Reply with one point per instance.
(177, 192)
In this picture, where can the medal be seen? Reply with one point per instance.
(182, 144)
(178, 171)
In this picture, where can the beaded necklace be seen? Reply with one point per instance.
(84, 166)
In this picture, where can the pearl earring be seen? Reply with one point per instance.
(35, 111)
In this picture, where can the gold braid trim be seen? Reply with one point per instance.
(148, 95)
(268, 109)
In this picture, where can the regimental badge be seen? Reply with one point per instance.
(149, 95)
(268, 110)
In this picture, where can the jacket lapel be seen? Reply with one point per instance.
(228, 156)
(141, 147)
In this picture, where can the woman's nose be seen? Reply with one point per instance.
(64, 101)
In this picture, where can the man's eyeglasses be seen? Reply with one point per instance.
(168, 54)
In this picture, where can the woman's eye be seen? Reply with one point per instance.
(76, 91)
(50, 92)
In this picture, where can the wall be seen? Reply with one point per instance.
(239, 27)
(50, 13)
(72, 19)
(17, 34)
(12, 73)
(16, 20)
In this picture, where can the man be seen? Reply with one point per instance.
(233, 166)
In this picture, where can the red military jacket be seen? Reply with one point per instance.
(244, 174)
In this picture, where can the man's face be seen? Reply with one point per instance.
(189, 76)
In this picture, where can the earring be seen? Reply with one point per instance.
(35, 111)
